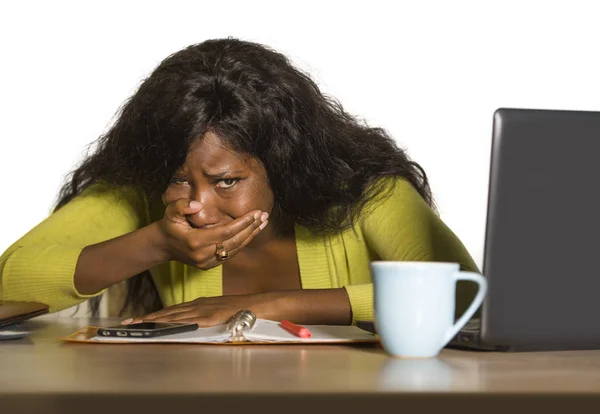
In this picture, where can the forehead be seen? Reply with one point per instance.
(212, 154)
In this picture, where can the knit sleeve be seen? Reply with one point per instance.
(40, 265)
(361, 301)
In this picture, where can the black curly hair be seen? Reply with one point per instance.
(323, 164)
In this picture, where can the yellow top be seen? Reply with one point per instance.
(40, 266)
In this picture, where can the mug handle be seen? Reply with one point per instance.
(480, 280)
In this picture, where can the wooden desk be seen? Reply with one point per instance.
(41, 371)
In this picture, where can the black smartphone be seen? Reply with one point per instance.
(147, 329)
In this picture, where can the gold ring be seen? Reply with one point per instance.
(221, 253)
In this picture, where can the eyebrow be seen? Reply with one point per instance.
(223, 174)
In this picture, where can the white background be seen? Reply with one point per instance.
(430, 72)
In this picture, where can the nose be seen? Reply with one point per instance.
(209, 215)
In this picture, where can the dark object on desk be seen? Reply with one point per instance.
(147, 329)
(16, 312)
(542, 234)
(368, 326)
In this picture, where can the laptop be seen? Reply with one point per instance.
(542, 242)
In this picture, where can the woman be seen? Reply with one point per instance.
(228, 182)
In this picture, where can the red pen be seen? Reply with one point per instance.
(297, 330)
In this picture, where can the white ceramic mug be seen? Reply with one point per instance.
(415, 305)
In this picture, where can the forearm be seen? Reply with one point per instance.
(104, 264)
(306, 306)
(40, 273)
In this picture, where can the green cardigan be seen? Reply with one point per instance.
(40, 266)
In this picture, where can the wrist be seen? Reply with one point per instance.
(157, 242)
(309, 306)
(267, 305)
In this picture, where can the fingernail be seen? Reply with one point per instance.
(195, 204)
(264, 216)
(262, 226)
(127, 321)
(256, 215)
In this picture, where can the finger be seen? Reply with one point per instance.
(131, 321)
(239, 241)
(156, 316)
(202, 322)
(218, 234)
(183, 307)
(173, 317)
(181, 207)
(235, 242)
(165, 318)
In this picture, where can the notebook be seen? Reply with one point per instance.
(244, 328)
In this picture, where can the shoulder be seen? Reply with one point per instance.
(102, 193)
(124, 193)
(103, 200)
(398, 198)
(398, 223)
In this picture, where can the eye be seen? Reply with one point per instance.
(178, 180)
(227, 183)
